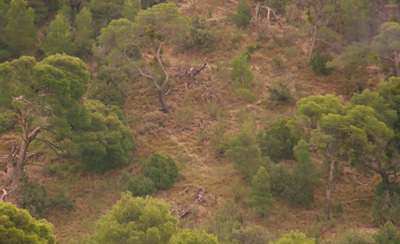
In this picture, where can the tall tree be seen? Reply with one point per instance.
(121, 43)
(20, 31)
(84, 35)
(18, 226)
(104, 11)
(330, 133)
(387, 44)
(59, 38)
(50, 88)
(154, 28)
(261, 198)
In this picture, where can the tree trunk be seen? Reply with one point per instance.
(313, 41)
(329, 189)
(396, 61)
(162, 101)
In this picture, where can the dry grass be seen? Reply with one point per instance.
(177, 135)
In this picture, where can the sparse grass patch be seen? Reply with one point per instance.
(183, 117)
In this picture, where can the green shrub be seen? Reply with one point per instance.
(18, 226)
(103, 144)
(303, 178)
(253, 234)
(261, 198)
(141, 186)
(279, 91)
(200, 35)
(318, 63)
(136, 220)
(243, 15)
(61, 201)
(108, 87)
(354, 237)
(276, 61)
(150, 3)
(279, 178)
(245, 153)
(386, 207)
(7, 120)
(387, 234)
(278, 141)
(295, 237)
(161, 170)
(241, 75)
(33, 197)
(245, 94)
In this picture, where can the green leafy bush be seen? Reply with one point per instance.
(386, 206)
(141, 186)
(243, 15)
(200, 35)
(295, 237)
(318, 63)
(33, 197)
(136, 220)
(253, 234)
(150, 3)
(279, 91)
(279, 178)
(278, 141)
(193, 237)
(245, 94)
(354, 237)
(245, 153)
(108, 87)
(161, 170)
(387, 234)
(261, 198)
(104, 143)
(303, 178)
(7, 120)
(241, 75)
(18, 226)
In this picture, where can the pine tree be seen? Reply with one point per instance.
(261, 198)
(20, 31)
(84, 30)
(59, 38)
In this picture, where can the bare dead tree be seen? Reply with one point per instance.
(191, 73)
(17, 157)
(182, 212)
(269, 12)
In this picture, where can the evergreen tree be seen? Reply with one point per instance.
(18, 226)
(261, 198)
(136, 220)
(84, 36)
(20, 31)
(387, 234)
(59, 38)
(186, 236)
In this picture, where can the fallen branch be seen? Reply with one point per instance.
(184, 211)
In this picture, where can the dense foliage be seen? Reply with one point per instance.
(18, 226)
(161, 170)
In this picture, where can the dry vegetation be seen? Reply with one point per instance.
(177, 135)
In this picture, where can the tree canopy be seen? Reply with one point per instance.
(18, 226)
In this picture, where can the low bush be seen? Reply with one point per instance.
(161, 170)
(318, 63)
(243, 15)
(141, 186)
